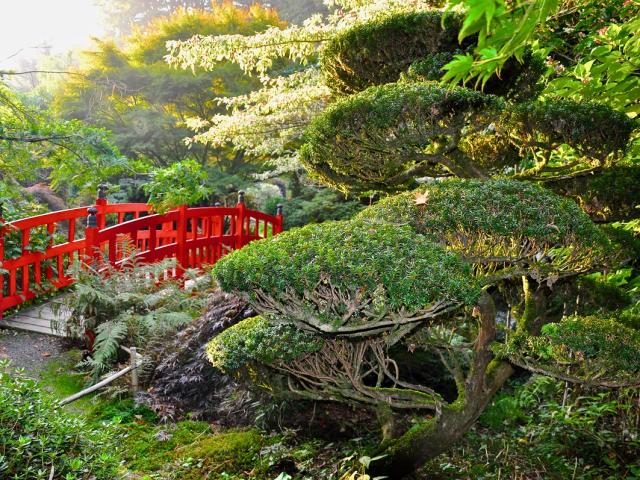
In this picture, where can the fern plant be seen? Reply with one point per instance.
(134, 305)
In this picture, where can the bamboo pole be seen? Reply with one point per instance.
(97, 386)
(134, 370)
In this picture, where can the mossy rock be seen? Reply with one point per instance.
(496, 223)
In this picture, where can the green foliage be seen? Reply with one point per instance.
(398, 41)
(602, 348)
(488, 222)
(612, 195)
(389, 266)
(37, 437)
(542, 429)
(130, 307)
(420, 44)
(33, 140)
(593, 130)
(592, 46)
(503, 31)
(605, 57)
(258, 340)
(183, 183)
(385, 137)
(314, 205)
(133, 92)
(614, 345)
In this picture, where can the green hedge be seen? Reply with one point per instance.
(504, 212)
(390, 266)
(371, 140)
(258, 341)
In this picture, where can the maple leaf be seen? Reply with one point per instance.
(421, 198)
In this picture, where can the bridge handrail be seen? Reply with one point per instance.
(195, 236)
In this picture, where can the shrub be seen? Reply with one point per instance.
(398, 41)
(340, 276)
(497, 223)
(586, 347)
(593, 130)
(256, 340)
(182, 183)
(38, 437)
(385, 137)
(419, 43)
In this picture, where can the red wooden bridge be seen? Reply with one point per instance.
(37, 253)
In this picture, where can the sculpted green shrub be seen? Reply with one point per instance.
(399, 40)
(594, 131)
(348, 277)
(38, 439)
(256, 340)
(385, 137)
(416, 43)
(581, 349)
(406, 274)
(498, 224)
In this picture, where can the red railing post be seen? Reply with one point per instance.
(91, 247)
(240, 221)
(181, 241)
(101, 205)
(278, 225)
(2, 229)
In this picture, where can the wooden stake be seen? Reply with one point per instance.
(133, 354)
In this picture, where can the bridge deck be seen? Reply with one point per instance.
(40, 318)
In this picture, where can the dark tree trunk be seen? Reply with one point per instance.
(435, 436)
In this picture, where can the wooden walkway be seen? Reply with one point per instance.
(40, 318)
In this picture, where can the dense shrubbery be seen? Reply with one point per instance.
(129, 307)
(256, 340)
(348, 276)
(498, 224)
(38, 440)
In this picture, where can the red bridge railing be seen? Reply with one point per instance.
(113, 233)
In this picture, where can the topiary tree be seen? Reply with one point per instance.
(428, 300)
(451, 271)
(398, 124)
(386, 137)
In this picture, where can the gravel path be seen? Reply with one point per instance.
(29, 350)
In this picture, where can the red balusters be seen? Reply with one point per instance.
(181, 241)
(2, 230)
(193, 236)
